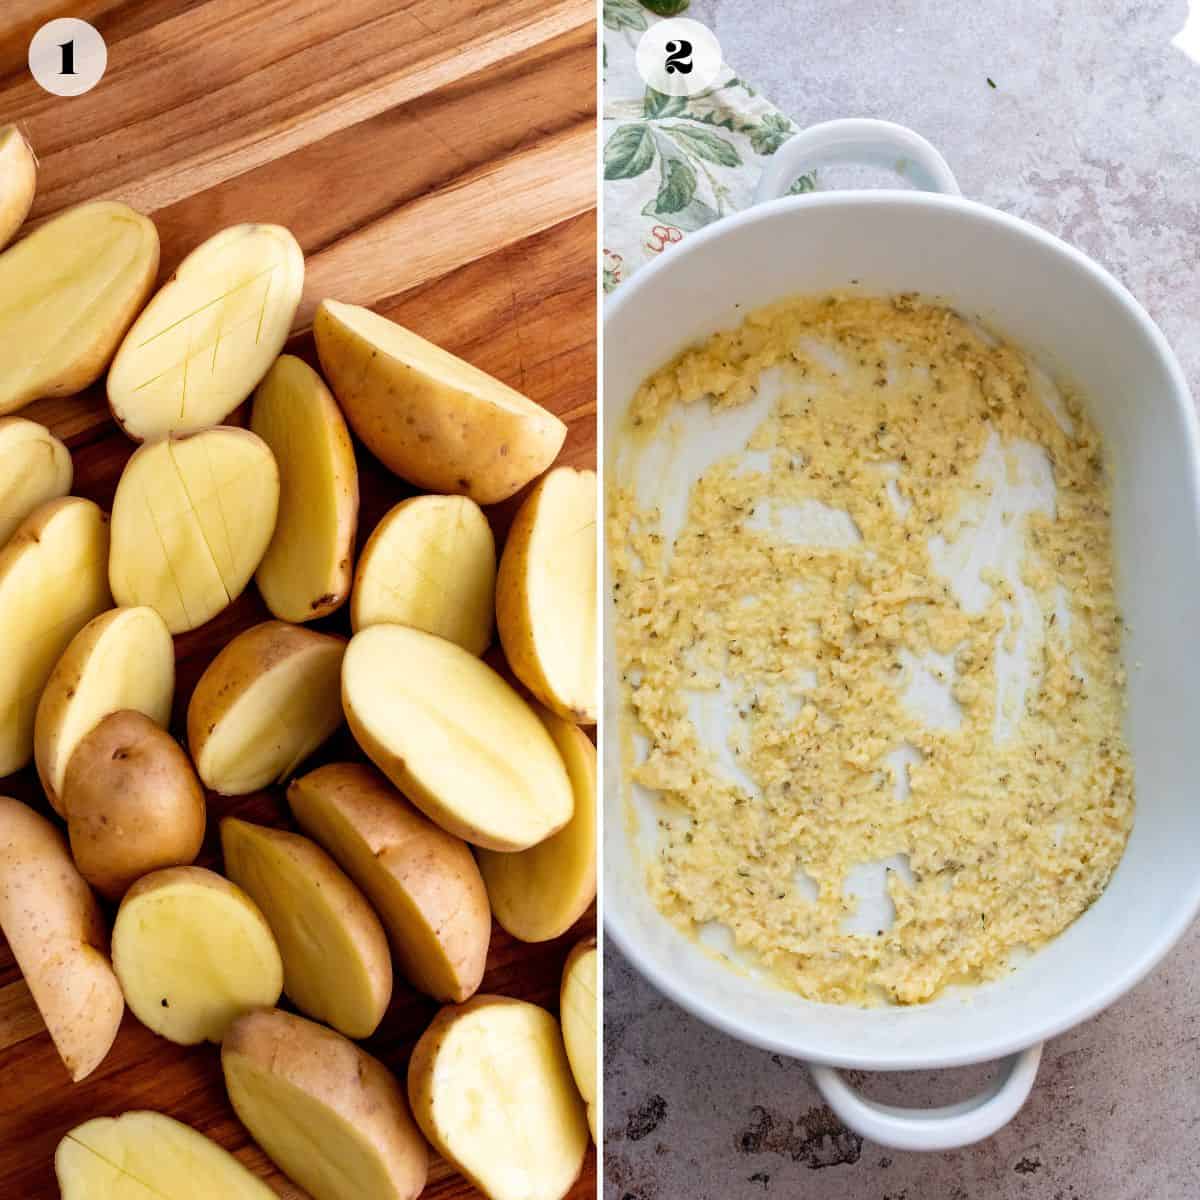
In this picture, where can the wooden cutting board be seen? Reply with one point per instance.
(436, 160)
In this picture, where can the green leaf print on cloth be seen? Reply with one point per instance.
(673, 164)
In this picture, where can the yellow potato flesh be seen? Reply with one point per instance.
(431, 564)
(336, 966)
(546, 594)
(67, 293)
(577, 1008)
(454, 738)
(52, 582)
(148, 1156)
(317, 1146)
(496, 1097)
(539, 893)
(34, 467)
(275, 722)
(435, 420)
(209, 335)
(306, 571)
(123, 659)
(18, 182)
(189, 938)
(192, 518)
(423, 882)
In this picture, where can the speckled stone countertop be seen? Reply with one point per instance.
(1093, 132)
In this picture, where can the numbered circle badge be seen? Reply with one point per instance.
(679, 57)
(68, 56)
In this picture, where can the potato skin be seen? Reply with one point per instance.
(57, 935)
(335, 1072)
(18, 182)
(132, 801)
(434, 869)
(437, 436)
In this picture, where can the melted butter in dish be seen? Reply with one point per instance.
(868, 647)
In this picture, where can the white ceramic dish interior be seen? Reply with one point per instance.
(1078, 322)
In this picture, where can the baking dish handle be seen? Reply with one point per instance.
(862, 142)
(943, 1128)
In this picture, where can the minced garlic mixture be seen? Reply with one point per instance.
(1008, 838)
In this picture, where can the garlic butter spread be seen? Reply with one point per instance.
(1012, 808)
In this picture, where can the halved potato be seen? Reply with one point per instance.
(546, 594)
(539, 893)
(132, 801)
(209, 334)
(423, 882)
(577, 1001)
(193, 952)
(454, 738)
(430, 563)
(18, 182)
(34, 467)
(430, 417)
(329, 1115)
(53, 580)
(307, 569)
(336, 965)
(122, 659)
(68, 292)
(264, 704)
(192, 518)
(56, 933)
(491, 1088)
(140, 1155)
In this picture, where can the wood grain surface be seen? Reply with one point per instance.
(436, 160)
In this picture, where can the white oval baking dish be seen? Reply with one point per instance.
(1073, 318)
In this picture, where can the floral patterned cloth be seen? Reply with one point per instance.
(672, 164)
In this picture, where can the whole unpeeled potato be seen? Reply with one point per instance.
(132, 803)
(435, 420)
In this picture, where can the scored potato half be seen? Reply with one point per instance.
(53, 580)
(18, 182)
(57, 936)
(193, 952)
(336, 966)
(132, 801)
(34, 467)
(491, 1088)
(209, 334)
(577, 1000)
(307, 569)
(539, 893)
(329, 1115)
(427, 415)
(140, 1155)
(546, 594)
(122, 659)
(264, 704)
(192, 518)
(423, 882)
(70, 290)
(430, 563)
(454, 738)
